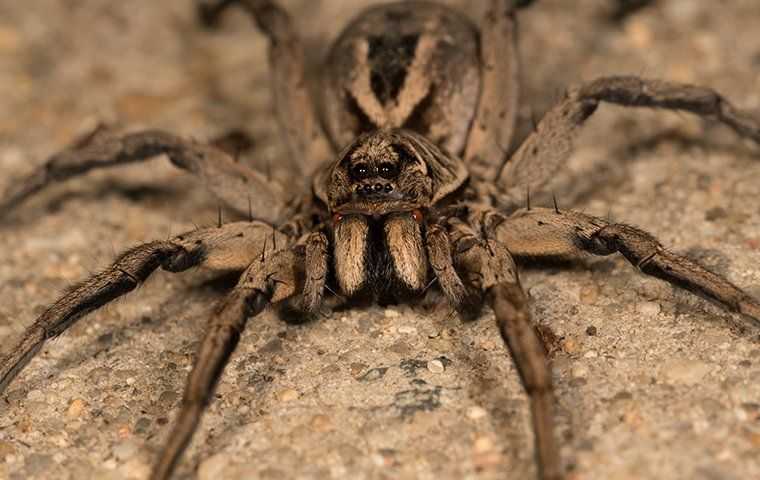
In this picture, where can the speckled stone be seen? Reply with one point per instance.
(435, 366)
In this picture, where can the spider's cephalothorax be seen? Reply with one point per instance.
(408, 187)
(378, 193)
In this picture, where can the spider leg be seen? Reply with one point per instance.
(316, 255)
(496, 113)
(486, 265)
(547, 149)
(296, 115)
(510, 307)
(438, 247)
(229, 247)
(541, 232)
(265, 282)
(231, 182)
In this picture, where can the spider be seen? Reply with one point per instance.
(408, 188)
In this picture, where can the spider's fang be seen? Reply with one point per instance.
(337, 217)
(338, 295)
(429, 284)
(417, 216)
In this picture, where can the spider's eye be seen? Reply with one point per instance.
(360, 171)
(388, 170)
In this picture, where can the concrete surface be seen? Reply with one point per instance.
(651, 382)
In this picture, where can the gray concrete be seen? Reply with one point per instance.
(668, 387)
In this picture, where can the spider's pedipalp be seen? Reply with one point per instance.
(231, 182)
(438, 247)
(548, 148)
(542, 232)
(315, 269)
(218, 248)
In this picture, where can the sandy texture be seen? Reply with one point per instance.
(651, 382)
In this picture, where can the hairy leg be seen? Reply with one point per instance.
(296, 113)
(547, 149)
(316, 270)
(510, 307)
(237, 186)
(229, 247)
(438, 246)
(498, 105)
(541, 232)
(488, 269)
(266, 281)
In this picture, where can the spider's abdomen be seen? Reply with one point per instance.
(410, 65)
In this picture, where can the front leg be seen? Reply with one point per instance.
(229, 247)
(550, 233)
(267, 281)
(510, 307)
(488, 269)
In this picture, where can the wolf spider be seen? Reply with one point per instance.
(409, 186)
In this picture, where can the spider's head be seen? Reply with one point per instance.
(378, 191)
(378, 175)
(389, 171)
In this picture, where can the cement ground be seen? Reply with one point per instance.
(651, 382)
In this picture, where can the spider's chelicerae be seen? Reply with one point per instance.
(406, 188)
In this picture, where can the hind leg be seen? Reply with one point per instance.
(545, 151)
(237, 186)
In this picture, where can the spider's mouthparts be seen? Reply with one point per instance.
(378, 209)
(383, 194)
